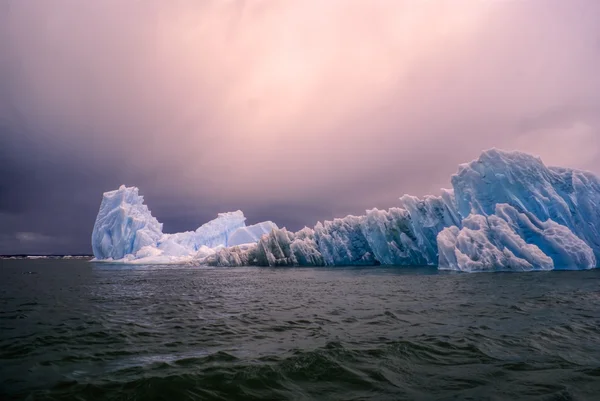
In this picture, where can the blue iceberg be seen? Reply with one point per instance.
(505, 211)
(124, 225)
(126, 232)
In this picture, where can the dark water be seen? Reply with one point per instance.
(75, 330)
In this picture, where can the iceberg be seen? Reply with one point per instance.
(124, 225)
(126, 232)
(505, 211)
(568, 197)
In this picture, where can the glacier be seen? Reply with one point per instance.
(506, 210)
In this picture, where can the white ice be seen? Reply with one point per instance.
(250, 234)
(506, 211)
(124, 225)
(498, 242)
(126, 232)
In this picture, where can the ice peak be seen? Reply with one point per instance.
(505, 210)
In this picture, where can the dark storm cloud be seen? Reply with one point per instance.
(290, 111)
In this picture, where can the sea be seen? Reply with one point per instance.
(78, 330)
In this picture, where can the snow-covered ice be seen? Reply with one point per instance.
(505, 211)
(124, 225)
(125, 231)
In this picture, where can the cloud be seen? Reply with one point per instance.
(577, 145)
(291, 111)
(24, 242)
(29, 237)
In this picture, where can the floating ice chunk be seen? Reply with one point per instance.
(506, 210)
(126, 232)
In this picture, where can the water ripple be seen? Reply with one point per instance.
(79, 331)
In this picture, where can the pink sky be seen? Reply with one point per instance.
(335, 106)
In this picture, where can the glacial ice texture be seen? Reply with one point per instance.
(505, 211)
(125, 231)
(497, 242)
(124, 225)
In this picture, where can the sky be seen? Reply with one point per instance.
(292, 111)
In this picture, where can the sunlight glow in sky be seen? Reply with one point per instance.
(292, 111)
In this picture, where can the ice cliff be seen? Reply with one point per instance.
(506, 211)
(124, 225)
(125, 231)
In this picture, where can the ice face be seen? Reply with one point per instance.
(506, 211)
(124, 225)
(557, 241)
(250, 234)
(394, 236)
(126, 231)
(509, 240)
(278, 248)
(212, 234)
(568, 197)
